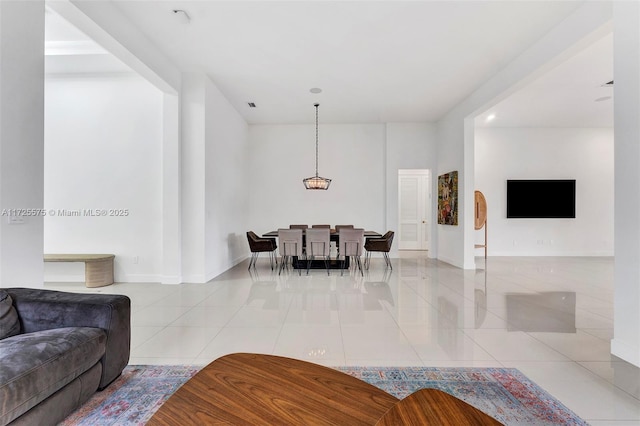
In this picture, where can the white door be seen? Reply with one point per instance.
(414, 193)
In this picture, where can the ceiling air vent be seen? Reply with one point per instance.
(251, 104)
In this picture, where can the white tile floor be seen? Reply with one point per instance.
(552, 318)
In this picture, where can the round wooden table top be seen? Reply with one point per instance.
(434, 407)
(254, 389)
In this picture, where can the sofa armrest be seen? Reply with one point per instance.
(47, 309)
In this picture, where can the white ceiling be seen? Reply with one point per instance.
(573, 94)
(69, 51)
(384, 61)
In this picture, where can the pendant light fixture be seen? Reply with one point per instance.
(316, 182)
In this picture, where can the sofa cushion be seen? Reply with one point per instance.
(9, 323)
(53, 410)
(40, 309)
(35, 365)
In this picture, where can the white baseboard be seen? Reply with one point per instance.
(138, 278)
(128, 278)
(452, 262)
(194, 278)
(171, 279)
(549, 254)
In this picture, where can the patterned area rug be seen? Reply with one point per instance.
(504, 393)
(133, 397)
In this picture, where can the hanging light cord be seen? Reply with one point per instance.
(315, 182)
(316, 105)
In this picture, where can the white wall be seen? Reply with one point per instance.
(352, 155)
(455, 132)
(409, 146)
(214, 181)
(361, 159)
(21, 140)
(626, 106)
(171, 191)
(226, 183)
(104, 23)
(103, 137)
(451, 149)
(552, 153)
(192, 98)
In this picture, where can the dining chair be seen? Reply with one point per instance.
(382, 245)
(290, 241)
(339, 227)
(350, 244)
(259, 245)
(321, 226)
(317, 244)
(298, 226)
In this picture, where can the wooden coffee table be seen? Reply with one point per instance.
(253, 389)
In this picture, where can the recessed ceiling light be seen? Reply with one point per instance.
(490, 117)
(315, 90)
(604, 98)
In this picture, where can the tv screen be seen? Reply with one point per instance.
(541, 199)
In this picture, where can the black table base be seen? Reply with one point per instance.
(319, 263)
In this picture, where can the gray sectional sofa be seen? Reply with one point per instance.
(63, 348)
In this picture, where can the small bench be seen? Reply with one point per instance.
(98, 268)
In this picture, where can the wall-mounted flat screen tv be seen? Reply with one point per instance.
(535, 199)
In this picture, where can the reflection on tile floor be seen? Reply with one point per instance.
(552, 318)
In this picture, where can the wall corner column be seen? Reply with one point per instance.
(626, 340)
(466, 202)
(171, 191)
(22, 143)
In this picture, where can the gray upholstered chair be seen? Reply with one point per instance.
(382, 245)
(317, 244)
(350, 244)
(298, 226)
(339, 227)
(290, 241)
(259, 245)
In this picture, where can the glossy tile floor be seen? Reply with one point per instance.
(552, 318)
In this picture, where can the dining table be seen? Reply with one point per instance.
(318, 263)
(333, 235)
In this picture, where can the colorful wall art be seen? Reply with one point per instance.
(448, 199)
